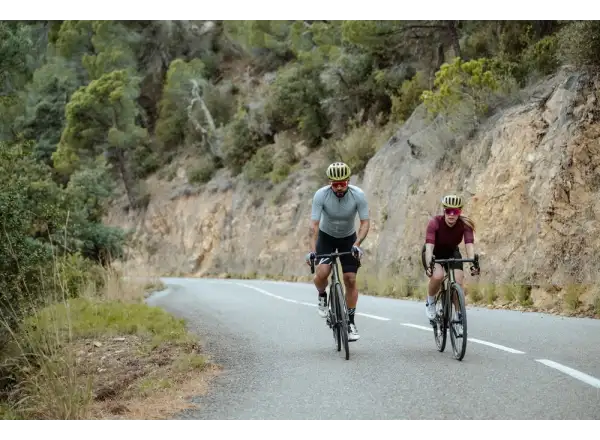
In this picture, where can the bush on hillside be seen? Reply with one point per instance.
(239, 142)
(294, 102)
(479, 83)
(361, 144)
(542, 56)
(272, 162)
(579, 44)
(407, 98)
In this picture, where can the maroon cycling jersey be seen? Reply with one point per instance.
(445, 238)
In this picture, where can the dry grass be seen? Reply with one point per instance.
(105, 354)
(510, 296)
(393, 286)
(572, 294)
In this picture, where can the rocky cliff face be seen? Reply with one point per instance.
(530, 176)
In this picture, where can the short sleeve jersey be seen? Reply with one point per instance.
(446, 238)
(337, 215)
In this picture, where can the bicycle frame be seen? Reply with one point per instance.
(338, 315)
(448, 284)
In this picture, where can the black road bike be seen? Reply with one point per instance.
(445, 315)
(337, 315)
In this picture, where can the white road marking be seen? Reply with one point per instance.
(478, 341)
(258, 289)
(372, 316)
(265, 292)
(308, 304)
(590, 380)
(498, 346)
(422, 327)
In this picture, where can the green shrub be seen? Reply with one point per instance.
(479, 43)
(273, 161)
(240, 142)
(76, 274)
(294, 102)
(579, 43)
(476, 82)
(202, 172)
(192, 108)
(350, 86)
(361, 144)
(261, 164)
(542, 56)
(408, 97)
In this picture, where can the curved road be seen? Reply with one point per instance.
(280, 362)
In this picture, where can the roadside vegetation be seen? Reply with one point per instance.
(566, 301)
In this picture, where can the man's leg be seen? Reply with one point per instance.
(351, 301)
(321, 274)
(350, 269)
(323, 269)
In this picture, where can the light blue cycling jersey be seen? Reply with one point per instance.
(337, 216)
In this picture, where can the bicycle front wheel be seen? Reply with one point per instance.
(342, 317)
(333, 313)
(458, 327)
(440, 322)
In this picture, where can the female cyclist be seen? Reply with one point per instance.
(444, 234)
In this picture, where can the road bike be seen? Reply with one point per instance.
(446, 318)
(337, 314)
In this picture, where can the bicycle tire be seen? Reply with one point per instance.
(458, 354)
(342, 317)
(441, 324)
(334, 306)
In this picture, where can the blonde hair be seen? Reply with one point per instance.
(467, 221)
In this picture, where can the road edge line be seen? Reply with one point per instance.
(576, 374)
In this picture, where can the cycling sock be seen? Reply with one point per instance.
(351, 314)
(430, 299)
(322, 293)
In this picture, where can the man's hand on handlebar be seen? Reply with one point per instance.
(310, 256)
(357, 252)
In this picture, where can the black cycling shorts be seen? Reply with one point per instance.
(453, 253)
(327, 244)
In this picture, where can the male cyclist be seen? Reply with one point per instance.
(444, 234)
(334, 209)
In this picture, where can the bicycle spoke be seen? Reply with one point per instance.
(439, 326)
(459, 341)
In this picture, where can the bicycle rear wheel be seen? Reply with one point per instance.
(440, 323)
(459, 342)
(342, 317)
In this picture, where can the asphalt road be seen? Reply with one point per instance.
(280, 362)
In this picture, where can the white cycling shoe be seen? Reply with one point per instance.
(322, 307)
(430, 311)
(353, 333)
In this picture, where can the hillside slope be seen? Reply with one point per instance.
(529, 176)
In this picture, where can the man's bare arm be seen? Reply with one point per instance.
(313, 232)
(362, 232)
